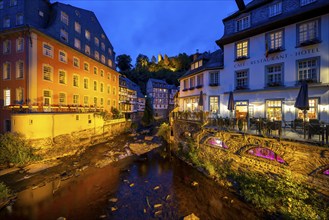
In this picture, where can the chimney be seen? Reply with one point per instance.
(196, 55)
(240, 4)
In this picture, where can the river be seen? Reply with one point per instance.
(151, 186)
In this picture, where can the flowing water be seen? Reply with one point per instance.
(151, 186)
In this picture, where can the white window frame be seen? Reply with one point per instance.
(86, 83)
(87, 49)
(49, 52)
(95, 84)
(275, 40)
(274, 74)
(77, 27)
(62, 79)
(6, 97)
(199, 80)
(45, 75)
(308, 31)
(48, 98)
(64, 35)
(62, 100)
(19, 69)
(19, 44)
(6, 71)
(243, 23)
(306, 70)
(62, 56)
(86, 66)
(76, 62)
(306, 2)
(64, 18)
(76, 80)
(6, 47)
(77, 43)
(75, 99)
(213, 104)
(19, 95)
(275, 9)
(19, 19)
(214, 78)
(242, 81)
(96, 55)
(242, 49)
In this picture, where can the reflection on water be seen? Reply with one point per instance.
(149, 187)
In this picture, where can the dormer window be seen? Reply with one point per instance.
(96, 42)
(87, 34)
(196, 64)
(275, 9)
(306, 2)
(243, 23)
(64, 35)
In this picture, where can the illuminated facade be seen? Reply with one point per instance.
(269, 48)
(55, 58)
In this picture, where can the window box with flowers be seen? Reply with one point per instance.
(275, 50)
(310, 42)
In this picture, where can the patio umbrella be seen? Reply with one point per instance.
(230, 105)
(302, 101)
(200, 103)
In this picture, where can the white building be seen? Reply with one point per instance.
(204, 76)
(269, 48)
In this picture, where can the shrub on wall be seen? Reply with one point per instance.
(15, 149)
(4, 192)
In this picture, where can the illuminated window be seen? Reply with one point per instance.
(62, 77)
(308, 69)
(77, 27)
(103, 46)
(274, 40)
(87, 49)
(306, 2)
(274, 110)
(241, 79)
(274, 75)
(86, 66)
(62, 98)
(19, 19)
(64, 18)
(96, 55)
(6, 70)
(103, 59)
(62, 56)
(47, 71)
(75, 80)
(47, 97)
(96, 41)
(102, 73)
(6, 22)
(77, 43)
(6, 46)
(102, 87)
(110, 62)
(19, 44)
(48, 50)
(76, 62)
(19, 69)
(86, 83)
(308, 32)
(110, 52)
(275, 9)
(86, 100)
(95, 70)
(19, 95)
(243, 23)
(87, 34)
(214, 103)
(242, 50)
(6, 97)
(312, 113)
(64, 35)
(76, 99)
(95, 85)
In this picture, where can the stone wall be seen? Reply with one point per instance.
(303, 161)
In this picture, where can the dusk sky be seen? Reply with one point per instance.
(167, 27)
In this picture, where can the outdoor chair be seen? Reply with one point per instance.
(298, 123)
(314, 128)
(274, 126)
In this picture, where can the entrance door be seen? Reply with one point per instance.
(241, 109)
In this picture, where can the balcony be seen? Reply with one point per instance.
(54, 108)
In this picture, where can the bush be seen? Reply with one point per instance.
(164, 132)
(14, 149)
(4, 191)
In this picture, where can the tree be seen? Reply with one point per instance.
(142, 62)
(124, 63)
(148, 116)
(153, 60)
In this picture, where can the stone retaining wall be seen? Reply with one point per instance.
(304, 161)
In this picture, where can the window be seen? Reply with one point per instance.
(62, 98)
(95, 101)
(86, 83)
(102, 87)
(95, 85)
(274, 75)
(1, 4)
(87, 34)
(76, 62)
(308, 69)
(242, 50)
(108, 76)
(64, 18)
(102, 101)
(6, 46)
(274, 110)
(213, 103)
(113, 78)
(62, 77)
(108, 89)
(306, 2)
(108, 102)
(103, 59)
(95, 70)
(6, 97)
(102, 73)
(241, 79)
(6, 70)
(110, 63)
(96, 42)
(243, 23)
(312, 113)
(48, 50)
(75, 80)
(96, 55)
(199, 80)
(103, 46)
(62, 56)
(274, 41)
(41, 14)
(19, 44)
(185, 84)
(64, 35)
(308, 33)
(19, 19)
(77, 27)
(12, 3)
(214, 78)
(76, 99)
(6, 22)
(19, 69)
(87, 49)
(275, 9)
(110, 51)
(46, 97)
(113, 90)
(77, 43)
(192, 83)
(19, 95)
(47, 71)
(86, 66)
(86, 100)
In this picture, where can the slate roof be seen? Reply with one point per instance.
(210, 61)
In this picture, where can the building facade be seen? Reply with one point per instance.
(269, 48)
(203, 76)
(54, 58)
